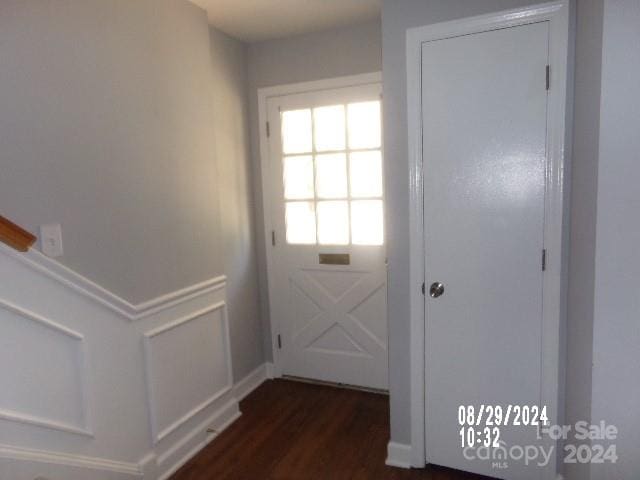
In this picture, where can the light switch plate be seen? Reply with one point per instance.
(51, 240)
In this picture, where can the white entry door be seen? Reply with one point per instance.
(328, 270)
(484, 111)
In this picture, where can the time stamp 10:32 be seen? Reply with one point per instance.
(481, 426)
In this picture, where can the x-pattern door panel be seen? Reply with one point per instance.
(339, 312)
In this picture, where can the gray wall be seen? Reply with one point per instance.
(397, 17)
(616, 335)
(127, 123)
(106, 127)
(231, 124)
(334, 53)
(584, 181)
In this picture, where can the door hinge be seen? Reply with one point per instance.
(268, 130)
(273, 238)
(544, 259)
(423, 288)
(548, 77)
(279, 342)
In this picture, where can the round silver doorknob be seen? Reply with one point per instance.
(436, 289)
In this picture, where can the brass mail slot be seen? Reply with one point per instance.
(334, 259)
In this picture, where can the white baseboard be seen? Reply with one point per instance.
(398, 455)
(220, 421)
(184, 450)
(271, 370)
(26, 463)
(192, 444)
(252, 381)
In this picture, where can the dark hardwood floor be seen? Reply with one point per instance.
(292, 430)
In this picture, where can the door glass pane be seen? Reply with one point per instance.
(328, 125)
(364, 125)
(298, 177)
(296, 131)
(333, 223)
(366, 222)
(331, 175)
(301, 222)
(366, 174)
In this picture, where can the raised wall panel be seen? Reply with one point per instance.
(94, 388)
(43, 363)
(188, 368)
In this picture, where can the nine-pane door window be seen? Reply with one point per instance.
(332, 163)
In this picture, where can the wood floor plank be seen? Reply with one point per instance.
(300, 431)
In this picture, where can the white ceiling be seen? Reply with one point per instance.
(257, 20)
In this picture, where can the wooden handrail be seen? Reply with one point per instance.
(14, 236)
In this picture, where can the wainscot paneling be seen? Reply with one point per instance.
(95, 387)
(188, 367)
(42, 372)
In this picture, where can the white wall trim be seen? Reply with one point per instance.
(398, 455)
(18, 417)
(252, 381)
(11, 307)
(316, 85)
(152, 464)
(55, 285)
(81, 354)
(241, 389)
(64, 275)
(231, 406)
(158, 434)
(271, 373)
(181, 321)
(557, 13)
(188, 416)
(264, 94)
(91, 463)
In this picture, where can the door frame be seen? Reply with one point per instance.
(264, 95)
(556, 202)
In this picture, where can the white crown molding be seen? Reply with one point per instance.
(64, 275)
(57, 458)
(52, 424)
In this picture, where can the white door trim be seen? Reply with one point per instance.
(264, 94)
(556, 200)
